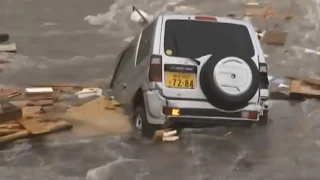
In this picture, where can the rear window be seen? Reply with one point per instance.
(194, 39)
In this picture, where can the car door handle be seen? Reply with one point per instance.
(124, 86)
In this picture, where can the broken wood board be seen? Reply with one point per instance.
(12, 48)
(10, 126)
(305, 79)
(41, 103)
(111, 104)
(93, 118)
(11, 137)
(8, 91)
(31, 111)
(33, 125)
(4, 131)
(60, 85)
(37, 127)
(9, 112)
(300, 87)
(274, 37)
(165, 135)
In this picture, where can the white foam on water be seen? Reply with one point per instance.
(116, 21)
(106, 171)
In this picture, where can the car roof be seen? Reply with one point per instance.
(219, 19)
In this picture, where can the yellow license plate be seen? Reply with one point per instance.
(180, 80)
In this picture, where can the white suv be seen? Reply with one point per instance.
(193, 70)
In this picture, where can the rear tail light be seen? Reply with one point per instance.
(264, 81)
(206, 18)
(250, 114)
(155, 71)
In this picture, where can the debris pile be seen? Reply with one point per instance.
(42, 109)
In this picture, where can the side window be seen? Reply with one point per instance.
(126, 56)
(145, 42)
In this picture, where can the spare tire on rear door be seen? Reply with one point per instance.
(229, 83)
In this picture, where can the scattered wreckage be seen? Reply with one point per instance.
(42, 109)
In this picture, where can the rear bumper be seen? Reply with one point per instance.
(203, 121)
(196, 112)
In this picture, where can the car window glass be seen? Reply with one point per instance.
(124, 63)
(193, 39)
(145, 42)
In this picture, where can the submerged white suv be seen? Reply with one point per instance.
(193, 70)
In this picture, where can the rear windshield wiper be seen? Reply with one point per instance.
(175, 43)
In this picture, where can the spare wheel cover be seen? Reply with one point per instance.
(233, 76)
(229, 83)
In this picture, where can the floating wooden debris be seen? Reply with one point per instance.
(274, 37)
(304, 87)
(11, 48)
(166, 135)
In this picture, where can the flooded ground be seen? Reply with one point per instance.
(57, 44)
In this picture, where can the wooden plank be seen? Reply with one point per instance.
(9, 126)
(275, 37)
(299, 87)
(19, 135)
(31, 111)
(304, 79)
(41, 103)
(8, 47)
(33, 126)
(295, 86)
(4, 131)
(60, 85)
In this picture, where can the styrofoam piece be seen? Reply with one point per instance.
(266, 55)
(136, 17)
(252, 4)
(128, 39)
(270, 78)
(36, 90)
(169, 133)
(283, 86)
(278, 81)
(312, 51)
(170, 138)
(8, 47)
(87, 92)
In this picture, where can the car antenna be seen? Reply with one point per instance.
(145, 20)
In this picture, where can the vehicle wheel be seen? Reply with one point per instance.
(229, 82)
(141, 124)
(263, 121)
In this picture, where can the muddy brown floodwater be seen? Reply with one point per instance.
(56, 44)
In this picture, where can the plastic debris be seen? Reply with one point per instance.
(87, 92)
